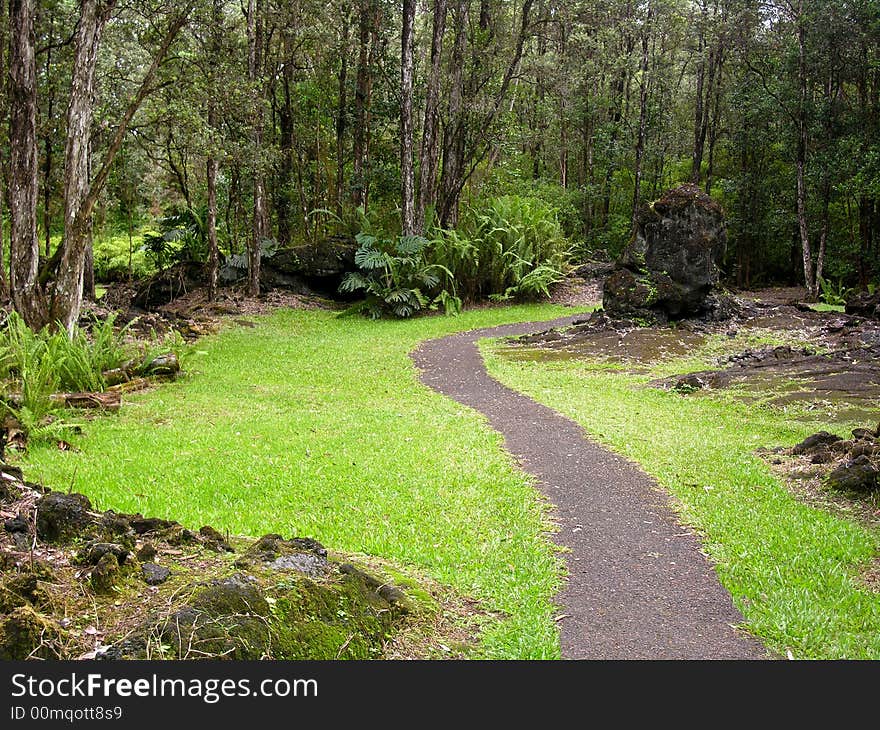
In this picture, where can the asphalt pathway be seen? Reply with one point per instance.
(638, 586)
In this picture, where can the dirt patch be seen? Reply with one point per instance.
(831, 361)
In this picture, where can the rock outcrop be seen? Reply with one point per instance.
(670, 269)
(76, 582)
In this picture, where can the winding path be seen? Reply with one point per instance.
(638, 586)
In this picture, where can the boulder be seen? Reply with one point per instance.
(63, 517)
(670, 269)
(154, 574)
(854, 475)
(815, 442)
(864, 304)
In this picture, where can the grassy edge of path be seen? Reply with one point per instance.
(314, 425)
(791, 569)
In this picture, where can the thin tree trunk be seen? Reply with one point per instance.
(643, 118)
(342, 111)
(801, 158)
(362, 95)
(258, 231)
(80, 195)
(211, 164)
(407, 173)
(429, 154)
(69, 284)
(453, 135)
(24, 245)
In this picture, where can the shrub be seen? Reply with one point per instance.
(398, 279)
(514, 247)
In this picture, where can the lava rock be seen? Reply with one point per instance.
(154, 575)
(92, 553)
(864, 304)
(301, 554)
(106, 574)
(63, 517)
(214, 540)
(147, 552)
(670, 268)
(16, 524)
(815, 442)
(854, 475)
(26, 634)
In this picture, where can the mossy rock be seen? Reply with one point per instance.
(26, 634)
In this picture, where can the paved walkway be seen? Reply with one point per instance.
(638, 586)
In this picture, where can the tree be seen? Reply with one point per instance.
(24, 246)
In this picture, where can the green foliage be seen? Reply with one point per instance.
(112, 255)
(35, 365)
(831, 293)
(398, 278)
(514, 248)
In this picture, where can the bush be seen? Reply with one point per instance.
(398, 279)
(513, 247)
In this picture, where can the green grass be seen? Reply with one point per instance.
(790, 568)
(314, 425)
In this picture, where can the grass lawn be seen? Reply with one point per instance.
(790, 568)
(313, 425)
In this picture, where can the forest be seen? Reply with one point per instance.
(447, 329)
(136, 134)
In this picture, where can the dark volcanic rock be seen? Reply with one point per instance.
(154, 574)
(105, 575)
(63, 517)
(92, 552)
(670, 269)
(815, 442)
(864, 304)
(855, 475)
(301, 554)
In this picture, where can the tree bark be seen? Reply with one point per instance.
(24, 245)
(429, 154)
(453, 134)
(80, 194)
(258, 228)
(643, 118)
(367, 20)
(342, 111)
(801, 158)
(407, 173)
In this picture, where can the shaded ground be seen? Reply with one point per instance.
(638, 586)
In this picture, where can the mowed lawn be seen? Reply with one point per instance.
(313, 425)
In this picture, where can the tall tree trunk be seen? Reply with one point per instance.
(342, 111)
(68, 294)
(643, 118)
(407, 173)
(211, 164)
(81, 195)
(47, 144)
(4, 105)
(24, 245)
(258, 228)
(801, 158)
(699, 126)
(284, 204)
(429, 154)
(367, 19)
(453, 134)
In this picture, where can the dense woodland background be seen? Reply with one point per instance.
(138, 132)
